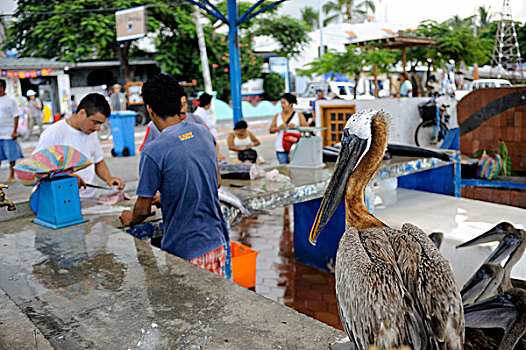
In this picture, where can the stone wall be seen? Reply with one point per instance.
(487, 115)
(514, 198)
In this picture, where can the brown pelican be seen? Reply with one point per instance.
(491, 278)
(437, 238)
(393, 287)
(506, 311)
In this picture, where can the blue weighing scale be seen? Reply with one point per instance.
(56, 202)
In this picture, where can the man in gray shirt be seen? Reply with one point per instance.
(117, 100)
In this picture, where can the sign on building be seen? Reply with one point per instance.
(131, 23)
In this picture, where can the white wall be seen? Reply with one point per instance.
(404, 115)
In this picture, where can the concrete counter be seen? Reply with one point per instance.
(93, 286)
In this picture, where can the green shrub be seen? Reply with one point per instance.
(274, 86)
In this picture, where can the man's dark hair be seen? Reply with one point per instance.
(205, 99)
(93, 104)
(289, 97)
(241, 124)
(2, 84)
(163, 93)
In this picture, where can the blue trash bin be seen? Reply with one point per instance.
(123, 130)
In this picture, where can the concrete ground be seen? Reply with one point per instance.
(278, 277)
(92, 286)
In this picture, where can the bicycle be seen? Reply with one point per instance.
(432, 131)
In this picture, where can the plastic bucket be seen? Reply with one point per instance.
(243, 265)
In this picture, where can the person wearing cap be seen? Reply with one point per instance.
(117, 99)
(9, 115)
(406, 88)
(203, 111)
(35, 113)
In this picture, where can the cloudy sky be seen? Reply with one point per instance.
(411, 12)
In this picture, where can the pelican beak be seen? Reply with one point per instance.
(497, 233)
(495, 312)
(352, 150)
(507, 246)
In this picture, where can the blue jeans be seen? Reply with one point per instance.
(283, 157)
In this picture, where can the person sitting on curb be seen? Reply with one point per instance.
(241, 143)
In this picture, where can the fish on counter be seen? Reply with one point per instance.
(241, 171)
(229, 199)
(114, 198)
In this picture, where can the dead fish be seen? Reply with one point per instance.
(236, 171)
(241, 171)
(112, 199)
(229, 199)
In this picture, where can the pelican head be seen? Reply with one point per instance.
(358, 135)
(509, 237)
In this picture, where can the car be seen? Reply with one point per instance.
(483, 83)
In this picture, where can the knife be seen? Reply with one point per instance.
(246, 188)
(101, 187)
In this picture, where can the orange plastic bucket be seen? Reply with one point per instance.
(243, 265)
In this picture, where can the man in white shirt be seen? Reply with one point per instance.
(9, 115)
(79, 132)
(203, 111)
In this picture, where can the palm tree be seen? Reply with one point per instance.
(347, 9)
(457, 22)
(484, 16)
(310, 17)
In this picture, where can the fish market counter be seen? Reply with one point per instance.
(92, 286)
(303, 185)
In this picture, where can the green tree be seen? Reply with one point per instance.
(484, 17)
(56, 34)
(347, 9)
(452, 43)
(382, 59)
(69, 30)
(274, 86)
(310, 17)
(290, 33)
(350, 62)
(179, 52)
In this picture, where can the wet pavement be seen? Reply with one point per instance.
(278, 276)
(94, 286)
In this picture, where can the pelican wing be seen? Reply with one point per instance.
(437, 294)
(375, 308)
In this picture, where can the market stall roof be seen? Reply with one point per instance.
(30, 63)
(396, 41)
